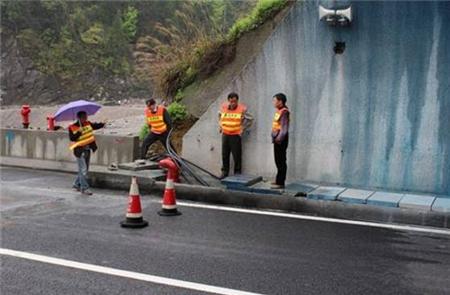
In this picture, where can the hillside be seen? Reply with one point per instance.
(56, 51)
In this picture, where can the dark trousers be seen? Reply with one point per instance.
(279, 150)
(150, 139)
(231, 144)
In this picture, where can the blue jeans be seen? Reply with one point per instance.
(83, 167)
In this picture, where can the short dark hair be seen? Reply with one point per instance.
(281, 97)
(233, 95)
(150, 101)
(81, 114)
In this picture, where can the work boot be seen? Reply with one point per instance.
(86, 192)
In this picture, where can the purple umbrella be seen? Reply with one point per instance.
(69, 111)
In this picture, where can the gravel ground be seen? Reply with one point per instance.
(124, 119)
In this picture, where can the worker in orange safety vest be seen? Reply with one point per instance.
(233, 120)
(81, 134)
(280, 138)
(159, 123)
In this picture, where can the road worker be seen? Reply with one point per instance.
(159, 123)
(81, 133)
(280, 138)
(233, 120)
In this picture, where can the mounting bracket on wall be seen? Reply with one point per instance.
(339, 47)
(334, 17)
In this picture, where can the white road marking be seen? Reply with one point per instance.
(124, 273)
(316, 218)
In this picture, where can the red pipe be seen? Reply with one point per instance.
(172, 168)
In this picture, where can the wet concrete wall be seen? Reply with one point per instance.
(54, 146)
(377, 115)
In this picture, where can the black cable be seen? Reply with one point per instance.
(178, 159)
(200, 168)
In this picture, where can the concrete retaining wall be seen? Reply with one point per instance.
(376, 116)
(54, 146)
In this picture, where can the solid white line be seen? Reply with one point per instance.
(323, 219)
(124, 273)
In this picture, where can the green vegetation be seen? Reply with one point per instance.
(177, 111)
(263, 10)
(70, 40)
(201, 56)
(167, 44)
(144, 131)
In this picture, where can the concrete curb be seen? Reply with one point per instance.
(220, 196)
(333, 209)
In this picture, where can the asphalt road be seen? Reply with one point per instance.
(240, 251)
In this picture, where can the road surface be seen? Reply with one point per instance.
(55, 241)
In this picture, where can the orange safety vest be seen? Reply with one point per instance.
(87, 135)
(231, 120)
(276, 123)
(156, 120)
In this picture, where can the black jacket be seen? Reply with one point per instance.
(74, 137)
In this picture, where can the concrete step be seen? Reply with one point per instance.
(329, 193)
(441, 205)
(385, 199)
(119, 179)
(417, 202)
(139, 165)
(355, 196)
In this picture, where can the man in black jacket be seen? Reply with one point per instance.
(81, 133)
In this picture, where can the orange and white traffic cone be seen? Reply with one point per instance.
(134, 213)
(169, 203)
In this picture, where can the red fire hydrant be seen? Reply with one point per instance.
(50, 123)
(25, 112)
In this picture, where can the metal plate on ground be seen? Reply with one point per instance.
(385, 199)
(355, 196)
(139, 165)
(241, 180)
(328, 193)
(441, 205)
(418, 202)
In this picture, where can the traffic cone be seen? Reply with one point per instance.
(134, 213)
(169, 203)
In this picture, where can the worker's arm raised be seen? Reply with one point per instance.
(96, 125)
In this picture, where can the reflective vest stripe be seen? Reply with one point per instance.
(82, 143)
(276, 123)
(231, 120)
(156, 120)
(86, 137)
